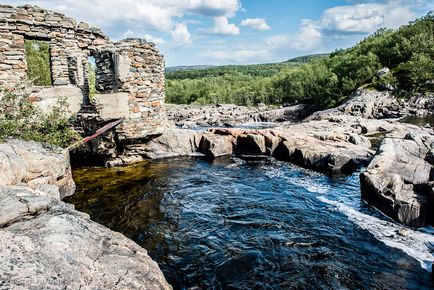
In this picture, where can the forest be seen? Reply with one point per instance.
(323, 80)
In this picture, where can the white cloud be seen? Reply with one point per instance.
(129, 33)
(144, 15)
(156, 40)
(338, 22)
(367, 17)
(397, 14)
(307, 38)
(359, 18)
(213, 8)
(171, 20)
(148, 37)
(258, 24)
(222, 27)
(180, 35)
(150, 14)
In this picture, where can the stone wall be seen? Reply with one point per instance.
(131, 69)
(141, 74)
(70, 43)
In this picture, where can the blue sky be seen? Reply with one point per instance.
(191, 32)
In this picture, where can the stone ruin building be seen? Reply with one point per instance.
(129, 73)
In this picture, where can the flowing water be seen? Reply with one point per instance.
(257, 224)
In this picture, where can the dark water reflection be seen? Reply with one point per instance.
(244, 225)
(420, 121)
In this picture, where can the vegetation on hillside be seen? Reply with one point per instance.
(20, 118)
(38, 62)
(308, 58)
(239, 84)
(324, 81)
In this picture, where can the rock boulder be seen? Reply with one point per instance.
(40, 167)
(172, 143)
(332, 157)
(251, 144)
(215, 146)
(47, 244)
(396, 181)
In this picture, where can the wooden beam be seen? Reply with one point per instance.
(98, 132)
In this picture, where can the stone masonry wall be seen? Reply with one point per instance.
(70, 43)
(141, 74)
(131, 66)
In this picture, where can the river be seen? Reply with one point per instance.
(257, 224)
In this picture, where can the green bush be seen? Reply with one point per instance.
(20, 118)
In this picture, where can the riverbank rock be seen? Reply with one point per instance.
(214, 146)
(368, 104)
(329, 156)
(40, 167)
(398, 180)
(332, 156)
(47, 244)
(172, 143)
(228, 115)
(251, 144)
(372, 104)
(421, 104)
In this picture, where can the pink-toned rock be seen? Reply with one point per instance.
(213, 145)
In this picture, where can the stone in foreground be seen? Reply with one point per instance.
(39, 167)
(46, 244)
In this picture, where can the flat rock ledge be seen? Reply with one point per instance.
(331, 156)
(46, 244)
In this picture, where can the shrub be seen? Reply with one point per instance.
(20, 118)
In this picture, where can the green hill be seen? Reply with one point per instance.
(319, 79)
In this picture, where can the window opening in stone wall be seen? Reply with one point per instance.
(38, 62)
(105, 81)
(91, 67)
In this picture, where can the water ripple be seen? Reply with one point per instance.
(264, 224)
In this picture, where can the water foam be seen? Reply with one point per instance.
(418, 244)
